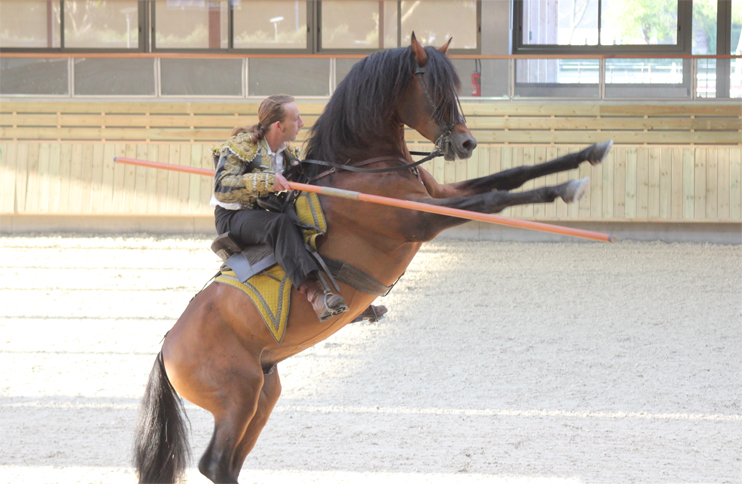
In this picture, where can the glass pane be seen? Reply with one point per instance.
(643, 71)
(29, 23)
(646, 78)
(276, 24)
(551, 22)
(704, 27)
(274, 76)
(436, 22)
(485, 78)
(101, 24)
(559, 71)
(355, 24)
(201, 77)
(343, 67)
(706, 78)
(33, 76)
(639, 22)
(114, 77)
(191, 24)
(557, 78)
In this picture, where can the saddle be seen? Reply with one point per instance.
(249, 261)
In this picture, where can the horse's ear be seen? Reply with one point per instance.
(444, 47)
(419, 51)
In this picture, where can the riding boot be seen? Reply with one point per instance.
(372, 314)
(325, 304)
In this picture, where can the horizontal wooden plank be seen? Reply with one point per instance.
(133, 120)
(483, 136)
(584, 136)
(239, 107)
(493, 108)
(605, 123)
(473, 122)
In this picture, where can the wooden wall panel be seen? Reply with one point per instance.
(735, 184)
(634, 183)
(665, 186)
(722, 164)
(8, 156)
(699, 210)
(619, 182)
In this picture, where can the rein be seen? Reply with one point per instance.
(357, 168)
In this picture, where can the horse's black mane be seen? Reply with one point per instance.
(363, 108)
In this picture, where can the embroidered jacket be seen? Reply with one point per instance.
(243, 169)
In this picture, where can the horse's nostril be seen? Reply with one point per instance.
(469, 144)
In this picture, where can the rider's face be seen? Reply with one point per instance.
(291, 125)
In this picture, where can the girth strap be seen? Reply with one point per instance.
(356, 278)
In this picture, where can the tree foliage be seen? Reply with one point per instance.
(645, 21)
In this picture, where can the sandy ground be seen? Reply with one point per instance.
(498, 363)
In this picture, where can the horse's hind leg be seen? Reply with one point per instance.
(268, 397)
(239, 403)
(516, 177)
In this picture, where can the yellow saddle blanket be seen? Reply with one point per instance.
(270, 290)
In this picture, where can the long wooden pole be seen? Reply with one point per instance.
(395, 202)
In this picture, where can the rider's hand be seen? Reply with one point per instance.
(281, 184)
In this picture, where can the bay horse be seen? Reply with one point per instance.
(220, 355)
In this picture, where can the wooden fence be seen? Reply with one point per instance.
(503, 122)
(671, 162)
(699, 184)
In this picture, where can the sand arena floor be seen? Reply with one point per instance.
(498, 363)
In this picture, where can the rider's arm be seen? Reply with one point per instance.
(231, 184)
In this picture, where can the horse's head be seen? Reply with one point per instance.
(431, 105)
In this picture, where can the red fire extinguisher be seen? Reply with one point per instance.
(476, 79)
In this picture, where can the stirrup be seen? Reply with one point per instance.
(331, 312)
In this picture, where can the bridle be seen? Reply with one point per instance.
(456, 114)
(443, 139)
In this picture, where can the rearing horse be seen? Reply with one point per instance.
(222, 357)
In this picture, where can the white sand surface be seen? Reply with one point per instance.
(498, 363)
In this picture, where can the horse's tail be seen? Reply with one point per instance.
(161, 449)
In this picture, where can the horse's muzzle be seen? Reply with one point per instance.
(460, 145)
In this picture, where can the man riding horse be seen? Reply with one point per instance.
(250, 167)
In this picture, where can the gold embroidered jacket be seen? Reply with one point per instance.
(243, 169)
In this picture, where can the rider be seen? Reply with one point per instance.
(250, 164)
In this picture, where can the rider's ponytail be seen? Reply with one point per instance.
(270, 111)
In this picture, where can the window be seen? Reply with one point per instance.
(436, 22)
(599, 24)
(101, 24)
(72, 24)
(275, 24)
(654, 28)
(40, 28)
(359, 24)
(187, 24)
(372, 25)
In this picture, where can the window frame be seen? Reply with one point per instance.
(320, 49)
(683, 46)
(142, 42)
(311, 28)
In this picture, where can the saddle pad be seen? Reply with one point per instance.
(270, 290)
(309, 211)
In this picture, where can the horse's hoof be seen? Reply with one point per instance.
(599, 152)
(575, 190)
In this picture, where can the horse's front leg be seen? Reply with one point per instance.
(427, 226)
(516, 177)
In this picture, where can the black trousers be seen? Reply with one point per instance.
(254, 227)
